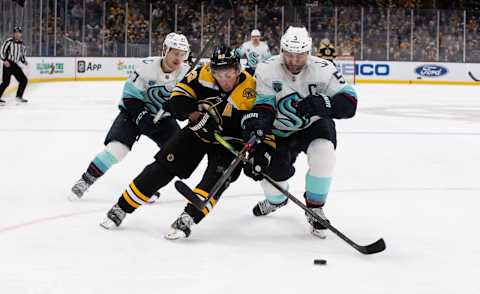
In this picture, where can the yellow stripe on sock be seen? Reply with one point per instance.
(130, 200)
(138, 193)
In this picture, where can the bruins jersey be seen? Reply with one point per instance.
(198, 91)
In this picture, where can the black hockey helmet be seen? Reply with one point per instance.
(17, 29)
(224, 57)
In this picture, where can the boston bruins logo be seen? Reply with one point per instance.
(249, 93)
(210, 105)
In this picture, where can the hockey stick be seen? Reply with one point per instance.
(199, 203)
(473, 77)
(375, 247)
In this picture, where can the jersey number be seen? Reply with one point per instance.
(339, 77)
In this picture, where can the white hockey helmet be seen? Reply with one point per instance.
(255, 33)
(175, 41)
(296, 40)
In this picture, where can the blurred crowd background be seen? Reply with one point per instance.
(405, 30)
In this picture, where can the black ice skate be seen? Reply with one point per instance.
(80, 187)
(316, 228)
(181, 227)
(265, 207)
(21, 100)
(114, 217)
(2, 102)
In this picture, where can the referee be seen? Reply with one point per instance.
(12, 52)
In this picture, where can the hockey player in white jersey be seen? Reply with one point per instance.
(298, 96)
(144, 93)
(255, 50)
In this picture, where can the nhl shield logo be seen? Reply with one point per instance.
(277, 86)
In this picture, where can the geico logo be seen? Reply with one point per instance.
(368, 69)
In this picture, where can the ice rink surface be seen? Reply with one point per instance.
(407, 170)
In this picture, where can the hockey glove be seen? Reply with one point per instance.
(205, 127)
(258, 121)
(259, 161)
(312, 105)
(145, 123)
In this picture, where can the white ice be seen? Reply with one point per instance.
(408, 171)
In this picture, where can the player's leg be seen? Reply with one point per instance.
(6, 75)
(320, 142)
(22, 82)
(218, 161)
(119, 141)
(280, 169)
(166, 129)
(179, 158)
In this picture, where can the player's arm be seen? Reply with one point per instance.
(343, 97)
(241, 51)
(267, 53)
(260, 119)
(338, 100)
(183, 101)
(183, 105)
(134, 104)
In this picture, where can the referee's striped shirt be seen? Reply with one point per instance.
(13, 51)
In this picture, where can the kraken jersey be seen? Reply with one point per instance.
(199, 91)
(254, 54)
(277, 87)
(151, 85)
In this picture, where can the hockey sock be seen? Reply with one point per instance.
(132, 198)
(153, 177)
(196, 214)
(113, 153)
(321, 160)
(272, 194)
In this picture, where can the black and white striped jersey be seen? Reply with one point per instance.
(13, 51)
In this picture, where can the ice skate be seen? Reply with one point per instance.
(114, 217)
(180, 227)
(265, 207)
(316, 228)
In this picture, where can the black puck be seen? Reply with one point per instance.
(320, 261)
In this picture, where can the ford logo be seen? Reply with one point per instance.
(431, 70)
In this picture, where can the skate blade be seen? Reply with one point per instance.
(175, 235)
(108, 224)
(73, 197)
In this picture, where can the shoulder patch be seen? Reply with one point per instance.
(277, 86)
(192, 75)
(249, 93)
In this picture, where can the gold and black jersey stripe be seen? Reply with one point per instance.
(199, 91)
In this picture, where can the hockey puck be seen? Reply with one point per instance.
(320, 261)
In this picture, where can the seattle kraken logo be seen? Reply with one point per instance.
(287, 107)
(157, 96)
(252, 58)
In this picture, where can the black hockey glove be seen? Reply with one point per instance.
(312, 105)
(205, 127)
(259, 161)
(258, 121)
(145, 123)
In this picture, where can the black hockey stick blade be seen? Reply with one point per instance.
(373, 248)
(186, 192)
(473, 77)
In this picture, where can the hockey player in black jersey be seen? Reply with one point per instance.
(213, 98)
